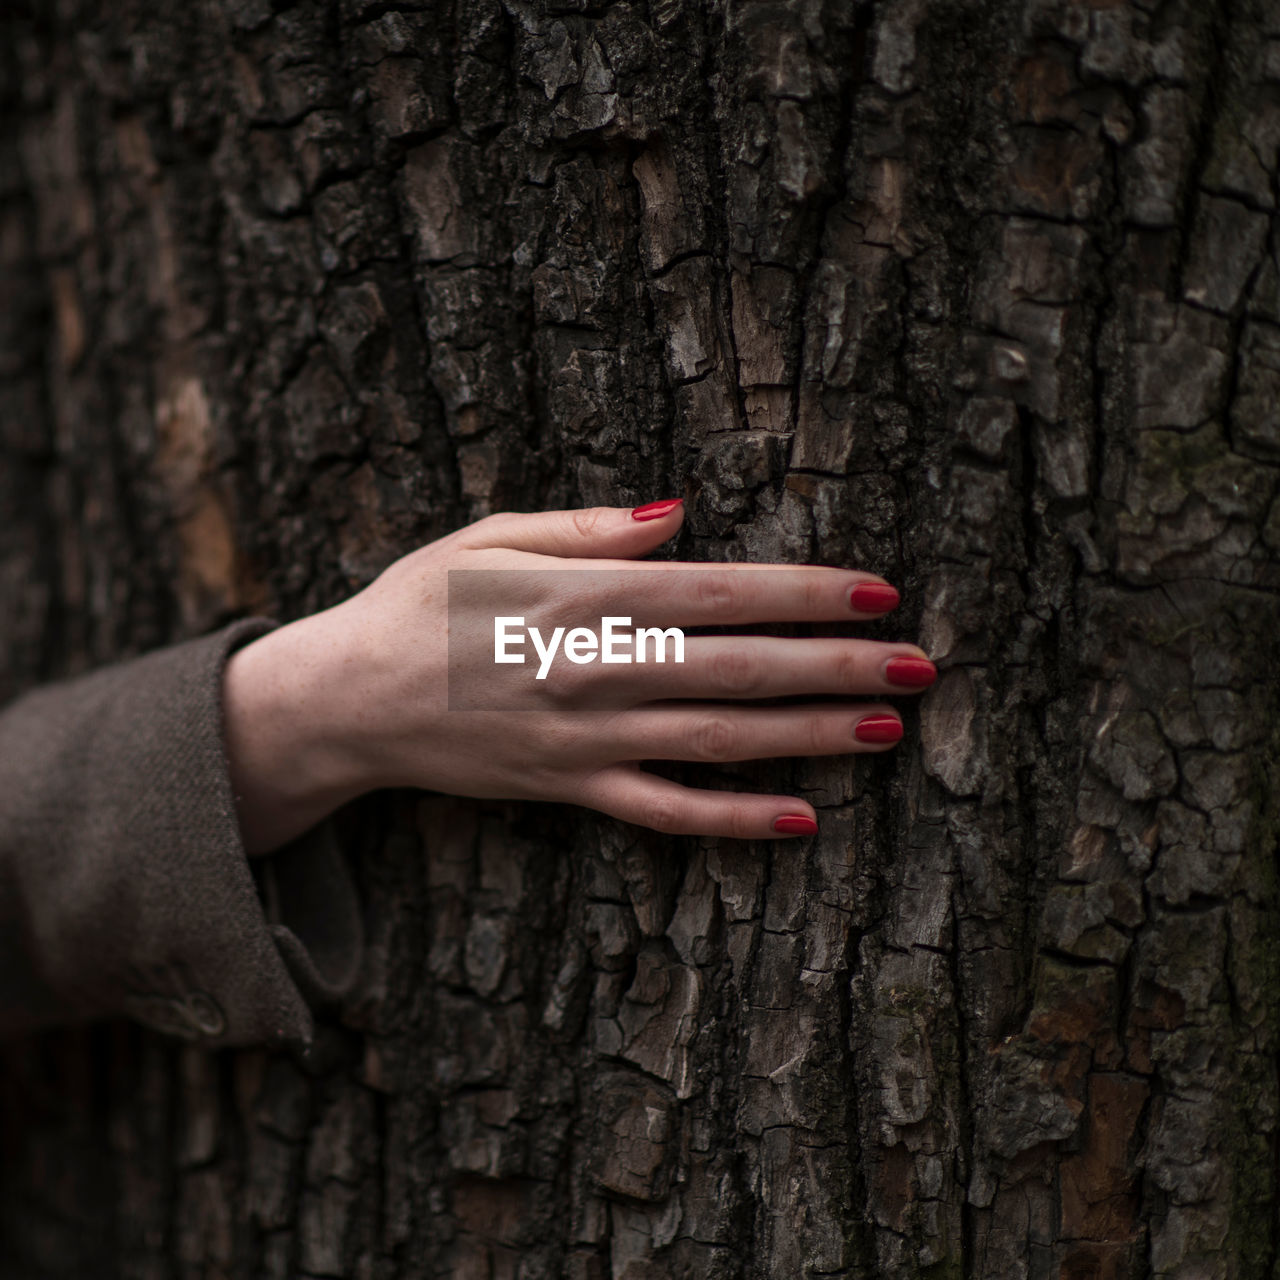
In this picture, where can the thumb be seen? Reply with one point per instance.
(590, 533)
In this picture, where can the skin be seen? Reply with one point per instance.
(356, 698)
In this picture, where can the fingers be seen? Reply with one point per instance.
(720, 734)
(717, 667)
(668, 593)
(681, 593)
(677, 593)
(589, 533)
(627, 792)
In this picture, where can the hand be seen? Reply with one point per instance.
(357, 698)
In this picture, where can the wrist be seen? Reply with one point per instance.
(292, 752)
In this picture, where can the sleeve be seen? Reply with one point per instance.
(124, 883)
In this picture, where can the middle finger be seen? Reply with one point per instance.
(765, 667)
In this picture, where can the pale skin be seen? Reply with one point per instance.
(355, 699)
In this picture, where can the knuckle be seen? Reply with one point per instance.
(661, 813)
(569, 685)
(580, 601)
(586, 521)
(497, 522)
(561, 600)
(814, 594)
(816, 735)
(489, 531)
(847, 668)
(556, 739)
(719, 592)
(713, 738)
(735, 671)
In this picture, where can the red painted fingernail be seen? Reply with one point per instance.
(656, 510)
(878, 729)
(794, 824)
(873, 597)
(919, 672)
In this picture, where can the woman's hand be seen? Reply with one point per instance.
(358, 697)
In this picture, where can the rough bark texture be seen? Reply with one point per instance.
(983, 296)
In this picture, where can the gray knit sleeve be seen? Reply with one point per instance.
(124, 884)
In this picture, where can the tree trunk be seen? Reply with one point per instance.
(983, 296)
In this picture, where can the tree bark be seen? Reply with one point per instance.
(983, 296)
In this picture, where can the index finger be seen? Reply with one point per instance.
(685, 594)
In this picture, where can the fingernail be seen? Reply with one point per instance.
(878, 729)
(873, 597)
(919, 672)
(794, 824)
(656, 510)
